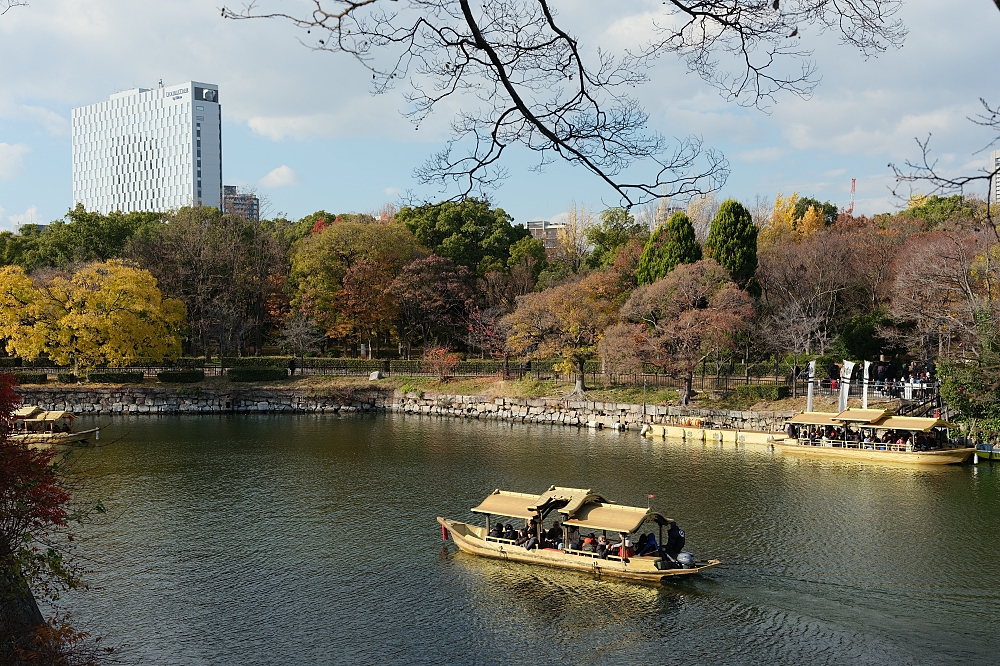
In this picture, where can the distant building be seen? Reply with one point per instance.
(995, 181)
(234, 203)
(149, 149)
(547, 231)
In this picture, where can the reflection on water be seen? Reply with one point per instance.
(309, 539)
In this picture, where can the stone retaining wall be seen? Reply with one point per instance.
(200, 400)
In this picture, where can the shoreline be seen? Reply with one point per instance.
(172, 400)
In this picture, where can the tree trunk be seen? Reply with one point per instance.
(687, 389)
(580, 376)
(19, 614)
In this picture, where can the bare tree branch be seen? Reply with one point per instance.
(6, 5)
(534, 85)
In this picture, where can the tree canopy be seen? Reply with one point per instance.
(469, 232)
(732, 241)
(617, 227)
(671, 244)
(103, 313)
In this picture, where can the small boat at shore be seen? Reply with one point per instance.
(988, 451)
(580, 510)
(872, 435)
(33, 425)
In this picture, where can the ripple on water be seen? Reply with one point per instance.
(304, 540)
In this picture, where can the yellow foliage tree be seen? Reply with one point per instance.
(810, 223)
(781, 226)
(102, 314)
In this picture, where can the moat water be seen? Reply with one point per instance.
(312, 540)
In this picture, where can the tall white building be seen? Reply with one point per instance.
(995, 181)
(149, 150)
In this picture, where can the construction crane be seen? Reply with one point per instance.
(850, 209)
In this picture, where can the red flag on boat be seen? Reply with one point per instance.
(652, 496)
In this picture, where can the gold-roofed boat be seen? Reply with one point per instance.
(33, 425)
(874, 435)
(581, 512)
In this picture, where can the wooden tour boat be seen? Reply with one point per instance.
(581, 509)
(33, 425)
(858, 434)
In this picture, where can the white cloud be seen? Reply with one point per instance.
(11, 159)
(283, 176)
(12, 222)
(53, 123)
(392, 191)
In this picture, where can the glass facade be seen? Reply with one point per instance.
(149, 150)
(995, 181)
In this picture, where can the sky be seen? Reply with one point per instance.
(302, 127)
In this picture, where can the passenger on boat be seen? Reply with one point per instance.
(509, 533)
(573, 537)
(675, 540)
(589, 544)
(602, 547)
(649, 546)
(553, 538)
(522, 536)
(496, 531)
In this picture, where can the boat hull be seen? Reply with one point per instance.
(944, 457)
(53, 438)
(470, 539)
(988, 454)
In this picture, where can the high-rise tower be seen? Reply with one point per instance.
(149, 149)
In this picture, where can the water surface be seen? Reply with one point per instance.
(312, 540)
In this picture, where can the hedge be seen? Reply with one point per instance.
(256, 361)
(762, 392)
(66, 378)
(181, 376)
(31, 377)
(256, 374)
(10, 362)
(190, 362)
(115, 377)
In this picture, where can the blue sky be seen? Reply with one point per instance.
(301, 127)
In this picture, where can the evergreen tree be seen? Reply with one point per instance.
(672, 243)
(732, 241)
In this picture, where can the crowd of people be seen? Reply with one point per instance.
(571, 539)
(898, 440)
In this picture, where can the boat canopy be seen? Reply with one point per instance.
(815, 418)
(855, 415)
(614, 517)
(870, 418)
(26, 412)
(914, 423)
(579, 506)
(506, 503)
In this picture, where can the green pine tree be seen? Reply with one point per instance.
(732, 241)
(672, 243)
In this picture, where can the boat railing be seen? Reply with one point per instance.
(500, 540)
(861, 446)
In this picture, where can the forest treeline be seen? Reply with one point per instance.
(665, 289)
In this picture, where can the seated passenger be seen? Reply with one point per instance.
(573, 538)
(589, 544)
(641, 543)
(554, 536)
(650, 547)
(496, 531)
(602, 547)
(509, 533)
(522, 537)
